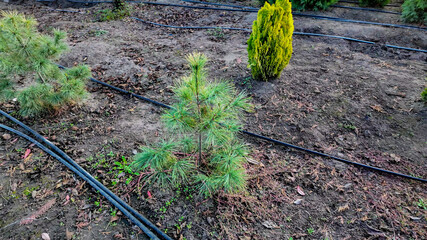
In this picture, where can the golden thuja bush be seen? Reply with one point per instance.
(270, 44)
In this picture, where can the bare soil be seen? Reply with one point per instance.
(355, 101)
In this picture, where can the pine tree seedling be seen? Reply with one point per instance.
(24, 51)
(204, 149)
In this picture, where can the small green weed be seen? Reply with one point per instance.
(217, 33)
(28, 191)
(310, 231)
(117, 13)
(421, 204)
(348, 126)
(113, 212)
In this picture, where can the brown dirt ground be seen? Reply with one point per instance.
(355, 101)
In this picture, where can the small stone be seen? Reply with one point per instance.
(210, 220)
(348, 185)
(134, 152)
(45, 236)
(34, 194)
(74, 128)
(298, 201)
(6, 136)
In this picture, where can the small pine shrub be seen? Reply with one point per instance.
(414, 11)
(373, 3)
(120, 10)
(270, 43)
(316, 5)
(24, 51)
(205, 150)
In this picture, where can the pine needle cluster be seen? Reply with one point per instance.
(270, 43)
(204, 150)
(26, 52)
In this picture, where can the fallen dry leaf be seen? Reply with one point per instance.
(68, 234)
(343, 208)
(114, 218)
(270, 224)
(255, 162)
(39, 212)
(300, 191)
(377, 108)
(27, 153)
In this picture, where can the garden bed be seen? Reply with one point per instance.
(355, 101)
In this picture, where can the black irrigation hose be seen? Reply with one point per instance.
(254, 10)
(295, 14)
(279, 142)
(336, 6)
(357, 2)
(358, 21)
(220, 4)
(192, 27)
(335, 158)
(87, 179)
(124, 91)
(366, 9)
(71, 162)
(296, 33)
(62, 10)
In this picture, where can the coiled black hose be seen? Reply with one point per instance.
(79, 171)
(277, 141)
(296, 33)
(86, 174)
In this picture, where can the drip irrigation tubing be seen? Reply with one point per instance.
(357, 2)
(358, 21)
(254, 10)
(63, 10)
(279, 142)
(296, 14)
(220, 4)
(87, 175)
(296, 33)
(366, 9)
(192, 27)
(78, 171)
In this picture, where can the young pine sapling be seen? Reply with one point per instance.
(205, 121)
(24, 51)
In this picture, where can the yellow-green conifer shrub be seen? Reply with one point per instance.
(270, 44)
